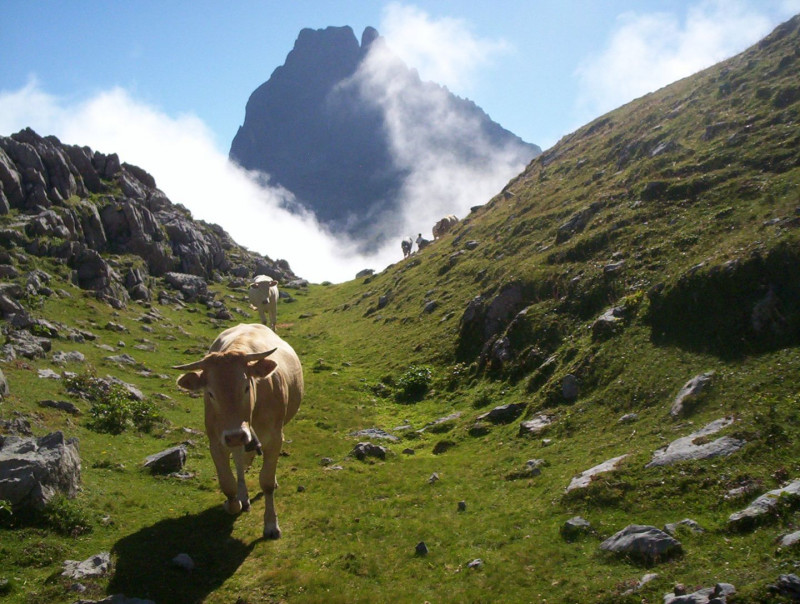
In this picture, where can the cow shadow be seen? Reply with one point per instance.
(143, 565)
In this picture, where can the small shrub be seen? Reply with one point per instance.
(112, 409)
(66, 516)
(413, 384)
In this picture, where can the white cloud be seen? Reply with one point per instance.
(442, 50)
(423, 122)
(180, 154)
(649, 51)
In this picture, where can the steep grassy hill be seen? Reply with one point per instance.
(656, 244)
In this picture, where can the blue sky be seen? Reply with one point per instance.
(165, 83)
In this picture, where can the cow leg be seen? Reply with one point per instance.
(272, 450)
(242, 459)
(263, 315)
(227, 483)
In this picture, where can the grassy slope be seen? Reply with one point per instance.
(350, 534)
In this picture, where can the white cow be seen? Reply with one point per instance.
(263, 294)
(252, 383)
(444, 225)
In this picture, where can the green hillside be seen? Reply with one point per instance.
(680, 211)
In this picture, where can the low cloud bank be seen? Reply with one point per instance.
(181, 155)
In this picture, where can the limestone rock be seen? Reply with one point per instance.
(691, 391)
(697, 446)
(763, 505)
(583, 479)
(642, 542)
(34, 470)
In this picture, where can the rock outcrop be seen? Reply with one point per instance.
(84, 206)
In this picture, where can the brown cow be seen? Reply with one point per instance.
(253, 383)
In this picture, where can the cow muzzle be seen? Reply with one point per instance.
(238, 437)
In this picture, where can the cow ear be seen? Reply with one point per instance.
(273, 283)
(261, 368)
(193, 380)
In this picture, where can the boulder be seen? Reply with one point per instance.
(708, 595)
(575, 527)
(191, 286)
(96, 566)
(374, 433)
(570, 387)
(533, 467)
(764, 505)
(535, 425)
(690, 392)
(787, 586)
(167, 461)
(3, 385)
(363, 450)
(34, 470)
(642, 542)
(25, 344)
(583, 479)
(697, 446)
(503, 414)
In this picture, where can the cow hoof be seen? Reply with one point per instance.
(233, 506)
(272, 533)
(246, 505)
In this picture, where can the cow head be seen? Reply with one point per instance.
(229, 382)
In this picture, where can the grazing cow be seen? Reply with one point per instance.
(263, 294)
(406, 245)
(422, 243)
(252, 383)
(444, 225)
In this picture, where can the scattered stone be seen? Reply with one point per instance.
(462, 506)
(583, 479)
(363, 450)
(673, 527)
(476, 563)
(325, 461)
(122, 359)
(641, 541)
(96, 566)
(439, 425)
(479, 429)
(628, 418)
(533, 467)
(433, 478)
(409, 451)
(301, 489)
(167, 461)
(685, 449)
(690, 392)
(716, 595)
(788, 586)
(116, 599)
(608, 323)
(421, 549)
(66, 406)
(762, 506)
(575, 527)
(74, 356)
(111, 326)
(183, 561)
(504, 414)
(790, 540)
(48, 374)
(34, 470)
(535, 425)
(641, 583)
(3, 386)
(374, 433)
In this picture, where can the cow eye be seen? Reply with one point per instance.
(247, 387)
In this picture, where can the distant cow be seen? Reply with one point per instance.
(263, 294)
(406, 245)
(252, 383)
(422, 243)
(444, 225)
